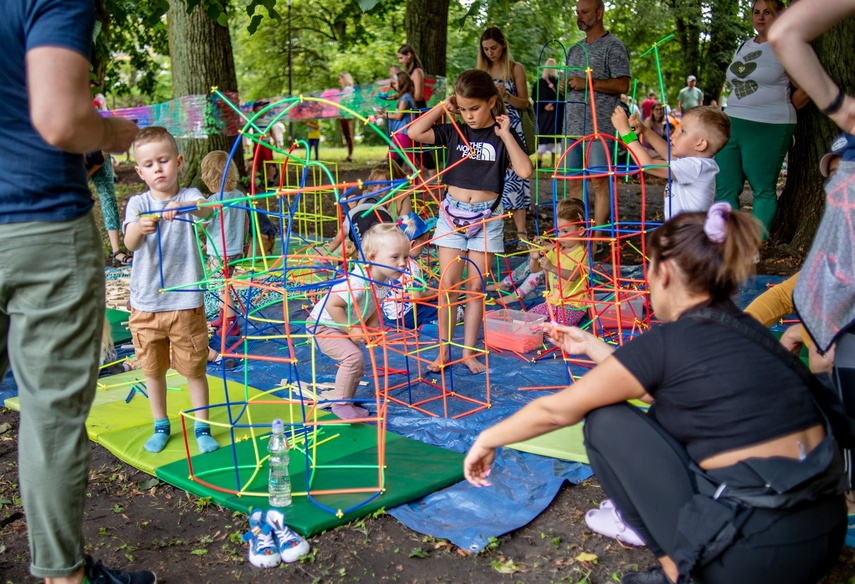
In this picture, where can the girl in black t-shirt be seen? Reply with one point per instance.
(480, 149)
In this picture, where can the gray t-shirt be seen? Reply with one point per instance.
(233, 219)
(608, 59)
(181, 265)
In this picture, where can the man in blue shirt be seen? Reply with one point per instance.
(52, 270)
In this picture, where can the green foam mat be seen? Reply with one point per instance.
(564, 443)
(118, 320)
(413, 470)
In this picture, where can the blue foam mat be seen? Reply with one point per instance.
(524, 484)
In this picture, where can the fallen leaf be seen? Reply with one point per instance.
(586, 557)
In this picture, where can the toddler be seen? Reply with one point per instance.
(347, 315)
(566, 267)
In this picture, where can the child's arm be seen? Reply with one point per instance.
(654, 140)
(334, 243)
(399, 114)
(564, 274)
(137, 231)
(535, 255)
(336, 307)
(422, 129)
(621, 124)
(520, 161)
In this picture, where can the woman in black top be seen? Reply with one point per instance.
(729, 417)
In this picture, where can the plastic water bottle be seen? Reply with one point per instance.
(279, 485)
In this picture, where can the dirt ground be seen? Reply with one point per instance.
(134, 520)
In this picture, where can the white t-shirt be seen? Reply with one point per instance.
(761, 88)
(359, 294)
(692, 185)
(393, 308)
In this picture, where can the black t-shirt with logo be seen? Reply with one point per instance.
(483, 172)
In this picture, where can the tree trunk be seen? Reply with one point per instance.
(802, 203)
(99, 57)
(200, 51)
(426, 23)
(724, 29)
(687, 14)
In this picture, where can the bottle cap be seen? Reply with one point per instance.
(278, 427)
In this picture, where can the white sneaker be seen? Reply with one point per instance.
(263, 551)
(291, 546)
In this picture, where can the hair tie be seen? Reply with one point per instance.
(400, 221)
(716, 221)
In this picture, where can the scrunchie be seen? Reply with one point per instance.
(714, 226)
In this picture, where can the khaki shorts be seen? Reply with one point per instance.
(185, 330)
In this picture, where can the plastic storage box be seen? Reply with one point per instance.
(514, 330)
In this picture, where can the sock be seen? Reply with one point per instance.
(160, 437)
(204, 439)
(349, 411)
(531, 282)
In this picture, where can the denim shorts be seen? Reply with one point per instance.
(489, 239)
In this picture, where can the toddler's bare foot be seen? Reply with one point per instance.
(438, 364)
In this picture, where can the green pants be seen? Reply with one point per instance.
(754, 152)
(51, 319)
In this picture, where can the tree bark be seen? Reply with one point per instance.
(724, 29)
(200, 51)
(426, 23)
(802, 203)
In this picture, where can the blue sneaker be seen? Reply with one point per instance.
(263, 552)
(291, 546)
(850, 531)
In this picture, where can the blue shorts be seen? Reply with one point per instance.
(489, 239)
(596, 157)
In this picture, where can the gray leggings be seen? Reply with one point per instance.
(646, 472)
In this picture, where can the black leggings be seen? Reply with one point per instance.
(844, 380)
(646, 472)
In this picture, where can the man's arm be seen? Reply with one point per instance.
(617, 85)
(71, 123)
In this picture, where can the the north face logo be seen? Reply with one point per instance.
(483, 151)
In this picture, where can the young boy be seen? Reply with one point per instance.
(227, 225)
(165, 257)
(702, 133)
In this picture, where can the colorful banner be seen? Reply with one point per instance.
(199, 116)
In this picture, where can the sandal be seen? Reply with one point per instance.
(125, 260)
(607, 521)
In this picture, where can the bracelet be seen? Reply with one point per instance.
(629, 137)
(835, 105)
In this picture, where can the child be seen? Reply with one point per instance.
(702, 133)
(363, 213)
(166, 248)
(228, 225)
(399, 119)
(348, 315)
(398, 306)
(475, 184)
(565, 267)
(314, 136)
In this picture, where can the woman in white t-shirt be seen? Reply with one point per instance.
(762, 119)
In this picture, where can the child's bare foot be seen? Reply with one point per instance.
(498, 286)
(475, 366)
(438, 364)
